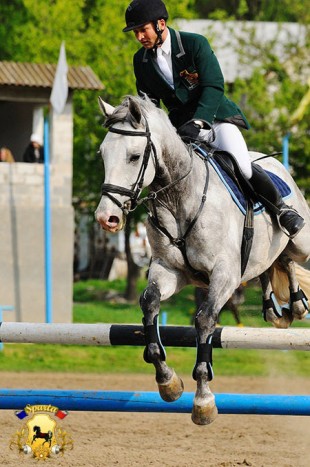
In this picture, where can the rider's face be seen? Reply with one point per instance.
(146, 35)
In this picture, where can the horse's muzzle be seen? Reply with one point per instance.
(110, 223)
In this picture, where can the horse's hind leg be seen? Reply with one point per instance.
(272, 311)
(160, 286)
(283, 272)
(298, 301)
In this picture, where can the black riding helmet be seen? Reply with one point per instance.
(140, 12)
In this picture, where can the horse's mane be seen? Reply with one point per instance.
(122, 115)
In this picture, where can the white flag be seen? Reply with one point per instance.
(60, 86)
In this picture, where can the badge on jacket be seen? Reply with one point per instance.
(190, 78)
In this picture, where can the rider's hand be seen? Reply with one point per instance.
(190, 130)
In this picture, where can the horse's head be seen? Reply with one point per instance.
(129, 157)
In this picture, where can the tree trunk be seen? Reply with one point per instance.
(133, 271)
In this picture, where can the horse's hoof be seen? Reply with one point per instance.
(301, 316)
(172, 390)
(204, 413)
(282, 322)
(299, 312)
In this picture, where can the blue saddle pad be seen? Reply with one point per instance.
(238, 196)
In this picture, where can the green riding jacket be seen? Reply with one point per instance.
(198, 81)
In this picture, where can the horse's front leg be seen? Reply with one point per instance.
(161, 285)
(221, 288)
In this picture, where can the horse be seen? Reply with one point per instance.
(195, 232)
(39, 435)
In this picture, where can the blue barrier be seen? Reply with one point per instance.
(115, 401)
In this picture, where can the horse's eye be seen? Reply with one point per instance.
(134, 158)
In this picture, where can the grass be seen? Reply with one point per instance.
(96, 301)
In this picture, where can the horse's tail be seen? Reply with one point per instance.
(280, 283)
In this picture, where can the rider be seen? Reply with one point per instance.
(182, 70)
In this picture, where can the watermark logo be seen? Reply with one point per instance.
(41, 436)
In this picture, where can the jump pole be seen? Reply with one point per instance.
(115, 401)
(133, 335)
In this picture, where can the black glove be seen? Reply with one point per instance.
(189, 131)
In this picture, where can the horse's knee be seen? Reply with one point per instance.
(205, 321)
(150, 299)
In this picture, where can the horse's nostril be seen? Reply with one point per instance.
(114, 219)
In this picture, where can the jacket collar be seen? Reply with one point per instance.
(177, 48)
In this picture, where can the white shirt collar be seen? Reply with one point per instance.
(166, 46)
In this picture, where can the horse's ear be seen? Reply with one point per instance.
(105, 108)
(135, 110)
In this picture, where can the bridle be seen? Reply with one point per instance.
(134, 193)
(132, 203)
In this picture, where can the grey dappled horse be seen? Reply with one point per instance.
(195, 232)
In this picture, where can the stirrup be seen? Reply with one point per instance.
(283, 211)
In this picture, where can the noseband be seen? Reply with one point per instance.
(133, 194)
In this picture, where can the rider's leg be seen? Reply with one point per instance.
(229, 138)
(287, 217)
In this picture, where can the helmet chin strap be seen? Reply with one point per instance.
(159, 32)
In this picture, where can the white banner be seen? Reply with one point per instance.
(59, 93)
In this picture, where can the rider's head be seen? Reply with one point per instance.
(147, 18)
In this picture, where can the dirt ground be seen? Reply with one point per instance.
(172, 440)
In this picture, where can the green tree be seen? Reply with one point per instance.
(270, 97)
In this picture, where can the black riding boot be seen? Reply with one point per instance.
(289, 220)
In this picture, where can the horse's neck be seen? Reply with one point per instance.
(185, 174)
(174, 162)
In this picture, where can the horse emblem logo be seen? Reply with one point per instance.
(41, 436)
(41, 433)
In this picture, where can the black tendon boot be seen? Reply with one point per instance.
(288, 218)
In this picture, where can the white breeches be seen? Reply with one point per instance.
(229, 138)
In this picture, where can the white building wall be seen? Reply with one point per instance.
(22, 257)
